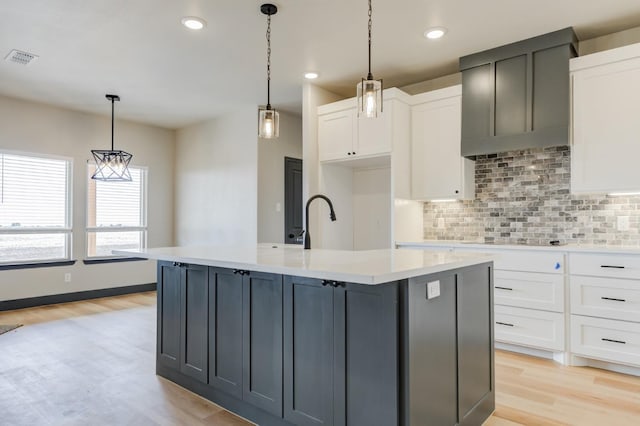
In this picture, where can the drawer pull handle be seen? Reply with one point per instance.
(613, 298)
(504, 323)
(612, 266)
(614, 341)
(504, 288)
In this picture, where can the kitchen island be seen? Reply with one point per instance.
(282, 335)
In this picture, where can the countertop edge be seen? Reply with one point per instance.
(318, 274)
(567, 248)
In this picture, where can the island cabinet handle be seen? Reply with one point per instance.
(333, 283)
(504, 288)
(614, 341)
(241, 272)
(612, 266)
(504, 323)
(613, 299)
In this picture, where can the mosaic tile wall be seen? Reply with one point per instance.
(523, 197)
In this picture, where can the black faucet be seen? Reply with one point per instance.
(332, 215)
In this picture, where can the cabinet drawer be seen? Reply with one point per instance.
(605, 297)
(529, 261)
(605, 265)
(529, 327)
(529, 290)
(608, 340)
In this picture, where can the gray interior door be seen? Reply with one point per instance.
(292, 200)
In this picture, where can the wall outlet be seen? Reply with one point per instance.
(67, 277)
(623, 223)
(278, 207)
(433, 289)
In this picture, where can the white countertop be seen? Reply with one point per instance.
(363, 267)
(567, 248)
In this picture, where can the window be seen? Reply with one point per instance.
(35, 205)
(116, 214)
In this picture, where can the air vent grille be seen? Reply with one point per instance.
(20, 57)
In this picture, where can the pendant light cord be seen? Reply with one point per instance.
(112, 114)
(269, 61)
(370, 76)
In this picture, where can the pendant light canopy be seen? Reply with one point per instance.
(269, 120)
(112, 165)
(369, 92)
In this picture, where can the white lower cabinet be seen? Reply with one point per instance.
(605, 307)
(605, 339)
(529, 290)
(529, 327)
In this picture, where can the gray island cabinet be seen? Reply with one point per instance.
(283, 348)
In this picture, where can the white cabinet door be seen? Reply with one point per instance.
(374, 134)
(438, 169)
(336, 135)
(606, 128)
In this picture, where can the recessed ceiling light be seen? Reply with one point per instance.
(435, 33)
(193, 22)
(311, 75)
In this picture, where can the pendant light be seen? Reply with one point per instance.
(369, 92)
(112, 165)
(269, 120)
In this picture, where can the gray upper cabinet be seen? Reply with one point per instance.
(517, 96)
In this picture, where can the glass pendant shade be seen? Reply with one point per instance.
(369, 94)
(111, 165)
(269, 124)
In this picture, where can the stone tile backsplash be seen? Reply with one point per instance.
(523, 197)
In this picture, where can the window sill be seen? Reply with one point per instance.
(101, 260)
(36, 265)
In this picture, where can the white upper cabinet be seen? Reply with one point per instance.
(606, 123)
(337, 134)
(343, 136)
(438, 169)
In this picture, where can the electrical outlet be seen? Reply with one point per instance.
(278, 207)
(623, 223)
(433, 289)
(67, 277)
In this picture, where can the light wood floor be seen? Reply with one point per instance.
(92, 363)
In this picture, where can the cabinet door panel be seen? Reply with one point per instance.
(225, 331)
(262, 338)
(308, 355)
(437, 164)
(475, 342)
(477, 87)
(169, 300)
(366, 355)
(550, 83)
(374, 135)
(605, 128)
(195, 317)
(433, 387)
(336, 135)
(511, 96)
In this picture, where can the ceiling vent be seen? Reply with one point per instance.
(20, 57)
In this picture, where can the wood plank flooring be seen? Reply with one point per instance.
(93, 363)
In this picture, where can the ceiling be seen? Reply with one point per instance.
(169, 76)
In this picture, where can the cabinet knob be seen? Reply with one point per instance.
(348, 153)
(354, 153)
(457, 192)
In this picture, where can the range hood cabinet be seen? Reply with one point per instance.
(517, 96)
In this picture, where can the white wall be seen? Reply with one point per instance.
(217, 180)
(312, 97)
(38, 128)
(271, 153)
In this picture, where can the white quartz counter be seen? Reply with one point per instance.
(363, 267)
(567, 248)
